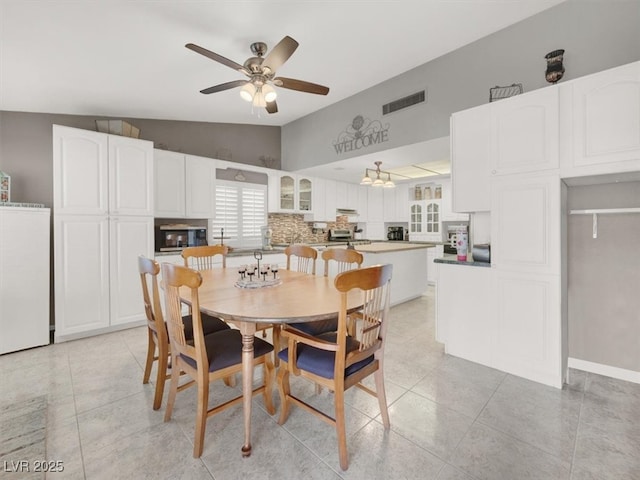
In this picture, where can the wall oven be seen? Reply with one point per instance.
(176, 237)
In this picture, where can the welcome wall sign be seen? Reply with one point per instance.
(362, 133)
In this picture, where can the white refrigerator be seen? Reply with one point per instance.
(24, 277)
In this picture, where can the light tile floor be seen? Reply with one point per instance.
(450, 419)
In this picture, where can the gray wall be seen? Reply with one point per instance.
(596, 34)
(603, 277)
(26, 151)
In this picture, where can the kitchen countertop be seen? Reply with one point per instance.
(453, 260)
(240, 252)
(384, 247)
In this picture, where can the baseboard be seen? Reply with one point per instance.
(607, 370)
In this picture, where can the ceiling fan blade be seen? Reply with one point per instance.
(224, 86)
(217, 58)
(300, 85)
(272, 107)
(280, 53)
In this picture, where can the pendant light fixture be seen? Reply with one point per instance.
(377, 182)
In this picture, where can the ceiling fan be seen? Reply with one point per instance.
(261, 71)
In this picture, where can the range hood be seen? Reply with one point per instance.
(346, 211)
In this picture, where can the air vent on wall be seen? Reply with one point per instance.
(404, 102)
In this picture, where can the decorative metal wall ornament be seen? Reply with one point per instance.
(555, 69)
(498, 93)
(361, 133)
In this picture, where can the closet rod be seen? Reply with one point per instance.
(599, 211)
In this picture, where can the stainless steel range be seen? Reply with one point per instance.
(345, 235)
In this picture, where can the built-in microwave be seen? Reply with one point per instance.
(176, 237)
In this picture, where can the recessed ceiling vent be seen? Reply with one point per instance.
(404, 102)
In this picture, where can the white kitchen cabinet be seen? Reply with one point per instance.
(432, 267)
(363, 203)
(604, 122)
(95, 251)
(330, 204)
(24, 278)
(375, 202)
(81, 275)
(200, 176)
(416, 219)
(464, 312)
(80, 171)
(290, 193)
(341, 195)
(470, 164)
(524, 133)
(389, 204)
(528, 326)
(129, 237)
(169, 184)
(318, 199)
(130, 176)
(525, 223)
(352, 196)
(402, 202)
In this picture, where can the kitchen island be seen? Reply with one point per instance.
(409, 262)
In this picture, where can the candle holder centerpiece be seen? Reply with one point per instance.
(261, 272)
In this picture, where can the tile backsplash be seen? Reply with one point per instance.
(288, 226)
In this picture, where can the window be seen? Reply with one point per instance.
(241, 209)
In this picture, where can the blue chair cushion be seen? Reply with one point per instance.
(321, 362)
(224, 348)
(209, 325)
(318, 327)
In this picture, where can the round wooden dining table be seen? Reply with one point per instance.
(299, 297)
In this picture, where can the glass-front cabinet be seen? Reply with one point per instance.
(432, 221)
(290, 193)
(304, 195)
(287, 193)
(415, 219)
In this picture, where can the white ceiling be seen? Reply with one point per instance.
(127, 58)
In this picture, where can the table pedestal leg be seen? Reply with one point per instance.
(248, 330)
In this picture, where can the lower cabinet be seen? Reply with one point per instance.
(97, 285)
(508, 320)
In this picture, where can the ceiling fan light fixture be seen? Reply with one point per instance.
(258, 99)
(248, 92)
(269, 93)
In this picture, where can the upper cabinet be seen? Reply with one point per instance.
(169, 181)
(603, 122)
(97, 173)
(290, 193)
(524, 133)
(184, 185)
(470, 166)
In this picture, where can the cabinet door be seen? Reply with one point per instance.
(470, 166)
(24, 287)
(130, 176)
(80, 171)
(129, 238)
(319, 200)
(81, 272)
(525, 223)
(606, 118)
(352, 196)
(330, 204)
(341, 195)
(200, 187)
(432, 219)
(402, 203)
(389, 204)
(287, 193)
(305, 194)
(446, 203)
(363, 205)
(524, 132)
(528, 325)
(169, 184)
(416, 223)
(375, 203)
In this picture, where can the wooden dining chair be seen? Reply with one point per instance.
(158, 348)
(208, 357)
(338, 361)
(204, 257)
(305, 257)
